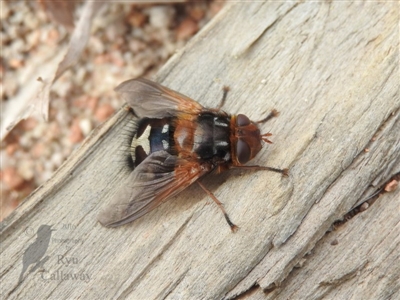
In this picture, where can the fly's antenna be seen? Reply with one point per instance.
(265, 136)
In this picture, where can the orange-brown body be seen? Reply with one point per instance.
(177, 142)
(213, 138)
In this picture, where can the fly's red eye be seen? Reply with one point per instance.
(242, 152)
(242, 120)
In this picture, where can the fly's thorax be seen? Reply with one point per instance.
(206, 136)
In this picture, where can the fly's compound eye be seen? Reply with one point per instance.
(242, 120)
(242, 151)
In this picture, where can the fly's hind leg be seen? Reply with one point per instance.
(284, 172)
(233, 227)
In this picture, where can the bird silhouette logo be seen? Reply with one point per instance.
(35, 252)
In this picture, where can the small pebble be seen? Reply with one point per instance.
(15, 63)
(161, 16)
(116, 30)
(38, 150)
(136, 45)
(26, 169)
(57, 159)
(25, 140)
(75, 135)
(186, 29)
(137, 18)
(391, 186)
(11, 148)
(92, 103)
(364, 206)
(197, 13)
(86, 126)
(12, 179)
(53, 36)
(39, 130)
(29, 123)
(103, 112)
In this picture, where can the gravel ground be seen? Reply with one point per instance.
(127, 41)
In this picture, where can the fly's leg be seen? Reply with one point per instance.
(284, 172)
(274, 113)
(224, 96)
(234, 228)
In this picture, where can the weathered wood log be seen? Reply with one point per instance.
(357, 261)
(332, 70)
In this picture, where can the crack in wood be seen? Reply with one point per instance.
(360, 207)
(246, 293)
(165, 293)
(345, 277)
(238, 295)
(254, 41)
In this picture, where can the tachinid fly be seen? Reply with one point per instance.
(177, 142)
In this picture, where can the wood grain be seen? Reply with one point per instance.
(332, 70)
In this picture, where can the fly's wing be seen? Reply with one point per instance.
(149, 99)
(159, 177)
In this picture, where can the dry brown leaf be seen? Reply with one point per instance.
(80, 36)
(39, 103)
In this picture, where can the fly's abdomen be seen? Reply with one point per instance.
(152, 135)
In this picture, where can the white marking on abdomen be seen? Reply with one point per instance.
(143, 141)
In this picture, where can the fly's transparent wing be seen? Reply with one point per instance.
(159, 177)
(149, 99)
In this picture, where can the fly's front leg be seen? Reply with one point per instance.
(284, 172)
(274, 113)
